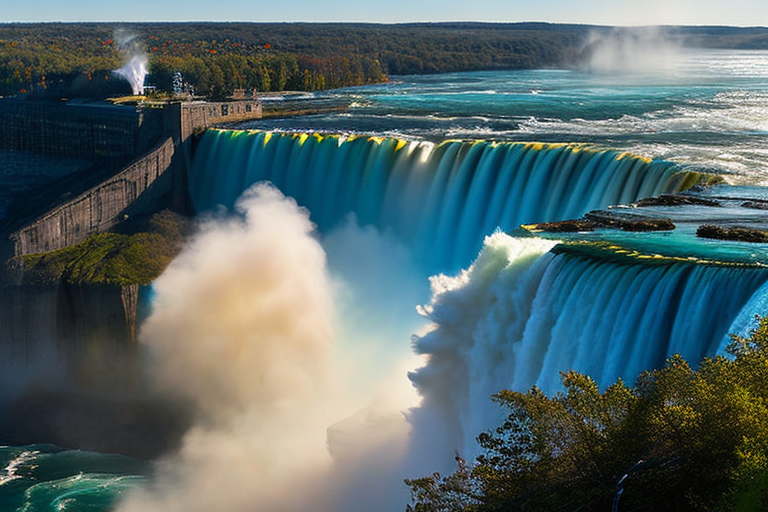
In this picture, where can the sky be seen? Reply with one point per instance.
(602, 12)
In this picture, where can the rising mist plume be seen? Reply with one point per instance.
(136, 63)
(638, 50)
(243, 327)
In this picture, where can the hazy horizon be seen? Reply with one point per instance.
(393, 23)
(738, 13)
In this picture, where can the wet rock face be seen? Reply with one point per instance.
(675, 200)
(143, 427)
(565, 226)
(732, 233)
(628, 221)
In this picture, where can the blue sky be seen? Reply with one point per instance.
(607, 12)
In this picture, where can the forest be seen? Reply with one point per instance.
(76, 59)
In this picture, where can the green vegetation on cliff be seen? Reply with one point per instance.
(110, 258)
(679, 440)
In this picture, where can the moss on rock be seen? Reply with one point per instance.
(110, 258)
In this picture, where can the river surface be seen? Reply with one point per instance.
(707, 109)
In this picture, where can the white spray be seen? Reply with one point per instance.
(136, 66)
(480, 317)
(243, 327)
(645, 50)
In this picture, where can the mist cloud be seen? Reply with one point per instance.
(244, 328)
(636, 50)
(136, 66)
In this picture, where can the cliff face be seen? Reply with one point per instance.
(69, 374)
(62, 334)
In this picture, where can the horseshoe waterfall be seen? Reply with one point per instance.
(355, 285)
(440, 200)
(527, 308)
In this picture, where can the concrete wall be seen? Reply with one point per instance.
(96, 210)
(197, 116)
(104, 130)
(81, 131)
(116, 131)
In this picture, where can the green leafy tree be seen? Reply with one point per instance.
(681, 439)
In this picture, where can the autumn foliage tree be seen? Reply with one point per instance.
(681, 439)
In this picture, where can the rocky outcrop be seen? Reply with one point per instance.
(755, 204)
(733, 233)
(604, 219)
(564, 226)
(675, 200)
(628, 221)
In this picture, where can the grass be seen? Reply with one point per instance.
(110, 258)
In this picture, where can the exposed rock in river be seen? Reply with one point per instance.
(734, 233)
(564, 226)
(628, 221)
(675, 200)
(755, 204)
(604, 219)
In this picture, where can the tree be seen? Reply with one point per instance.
(679, 440)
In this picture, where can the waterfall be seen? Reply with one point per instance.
(521, 314)
(439, 199)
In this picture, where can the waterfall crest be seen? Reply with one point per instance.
(439, 199)
(522, 314)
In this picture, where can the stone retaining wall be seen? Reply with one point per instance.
(97, 209)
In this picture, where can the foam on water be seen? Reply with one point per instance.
(43, 478)
(655, 114)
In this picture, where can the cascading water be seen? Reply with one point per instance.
(528, 308)
(440, 200)
(522, 314)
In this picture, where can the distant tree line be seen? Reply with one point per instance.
(76, 59)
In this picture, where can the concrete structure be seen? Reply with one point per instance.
(112, 131)
(98, 209)
(197, 116)
(99, 129)
(81, 131)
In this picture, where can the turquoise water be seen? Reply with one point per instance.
(707, 111)
(45, 478)
(440, 200)
(682, 242)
